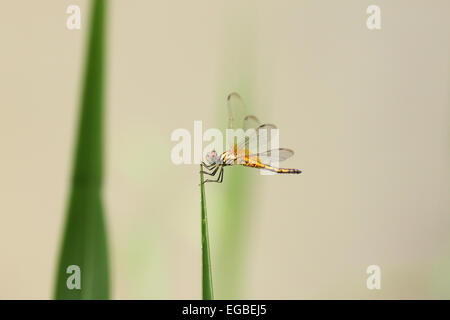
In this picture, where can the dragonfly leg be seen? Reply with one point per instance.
(219, 178)
(206, 172)
(212, 173)
(209, 167)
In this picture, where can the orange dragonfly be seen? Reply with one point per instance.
(243, 152)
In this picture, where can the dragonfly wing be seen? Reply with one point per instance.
(274, 155)
(256, 139)
(236, 111)
(251, 122)
(237, 119)
(237, 116)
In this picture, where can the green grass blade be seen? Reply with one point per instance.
(84, 240)
(207, 286)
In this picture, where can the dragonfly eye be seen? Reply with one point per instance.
(211, 157)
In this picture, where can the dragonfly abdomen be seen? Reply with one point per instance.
(270, 168)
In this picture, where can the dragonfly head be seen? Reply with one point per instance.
(212, 157)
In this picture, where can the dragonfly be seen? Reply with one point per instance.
(241, 152)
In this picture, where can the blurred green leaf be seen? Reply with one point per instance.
(207, 286)
(235, 208)
(84, 240)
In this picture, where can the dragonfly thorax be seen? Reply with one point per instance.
(224, 159)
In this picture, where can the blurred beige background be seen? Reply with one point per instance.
(367, 113)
